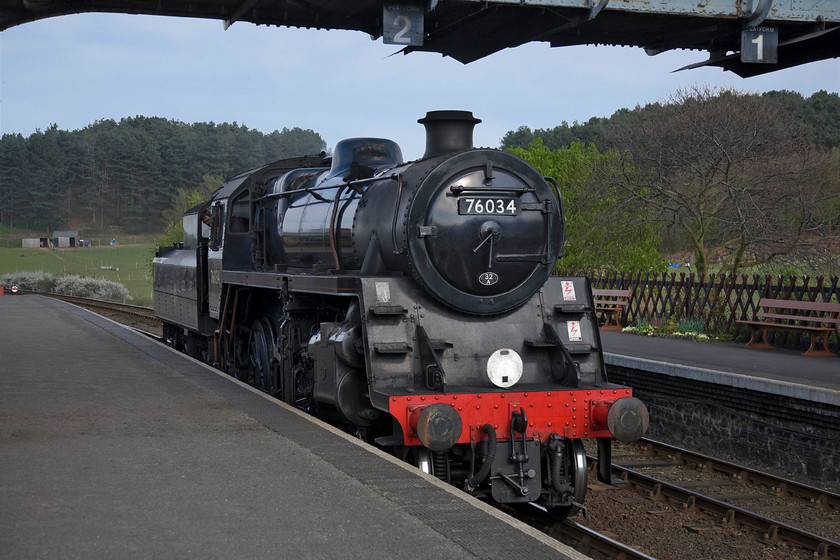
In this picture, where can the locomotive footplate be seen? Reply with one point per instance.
(515, 475)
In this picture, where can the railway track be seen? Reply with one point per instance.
(676, 456)
(134, 316)
(660, 473)
(774, 509)
(585, 539)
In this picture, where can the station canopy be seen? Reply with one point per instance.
(748, 37)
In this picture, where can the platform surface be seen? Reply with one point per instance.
(114, 446)
(778, 371)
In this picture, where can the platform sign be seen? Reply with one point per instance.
(402, 24)
(760, 44)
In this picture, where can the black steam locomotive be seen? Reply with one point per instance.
(412, 303)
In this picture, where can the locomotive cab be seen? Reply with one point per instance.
(181, 296)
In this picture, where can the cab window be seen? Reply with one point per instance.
(240, 214)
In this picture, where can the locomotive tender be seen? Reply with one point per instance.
(412, 303)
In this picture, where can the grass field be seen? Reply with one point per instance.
(129, 265)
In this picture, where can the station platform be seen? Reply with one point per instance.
(115, 446)
(773, 410)
(781, 372)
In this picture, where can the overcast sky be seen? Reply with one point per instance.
(74, 70)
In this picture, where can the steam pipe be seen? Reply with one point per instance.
(473, 481)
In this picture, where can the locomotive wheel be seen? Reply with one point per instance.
(260, 352)
(576, 467)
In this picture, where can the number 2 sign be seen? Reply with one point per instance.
(402, 24)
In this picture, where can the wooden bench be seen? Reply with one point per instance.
(611, 303)
(819, 320)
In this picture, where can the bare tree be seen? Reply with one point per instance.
(732, 172)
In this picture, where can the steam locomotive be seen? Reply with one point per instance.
(411, 303)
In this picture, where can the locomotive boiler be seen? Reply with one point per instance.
(411, 303)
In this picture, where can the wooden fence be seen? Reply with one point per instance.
(716, 300)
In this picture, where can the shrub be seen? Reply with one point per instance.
(690, 325)
(30, 281)
(67, 284)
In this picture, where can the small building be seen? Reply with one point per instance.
(65, 238)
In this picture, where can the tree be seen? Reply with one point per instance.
(13, 197)
(737, 177)
(183, 200)
(46, 179)
(123, 174)
(601, 229)
(821, 112)
(594, 131)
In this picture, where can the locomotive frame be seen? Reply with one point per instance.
(411, 303)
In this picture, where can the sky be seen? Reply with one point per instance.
(74, 70)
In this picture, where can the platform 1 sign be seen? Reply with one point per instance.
(760, 44)
(402, 24)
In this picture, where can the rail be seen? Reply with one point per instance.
(775, 530)
(593, 540)
(819, 496)
(590, 540)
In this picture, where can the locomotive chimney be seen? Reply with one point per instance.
(448, 131)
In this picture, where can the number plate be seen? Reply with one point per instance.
(486, 206)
